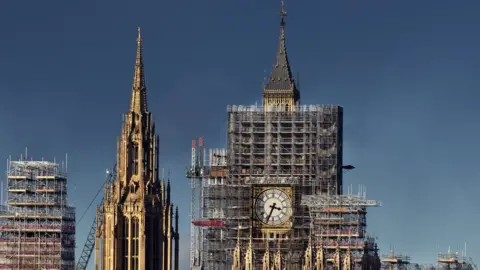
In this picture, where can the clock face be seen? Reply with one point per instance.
(273, 207)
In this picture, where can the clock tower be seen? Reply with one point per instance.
(276, 154)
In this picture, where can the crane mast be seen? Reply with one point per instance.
(195, 173)
(94, 234)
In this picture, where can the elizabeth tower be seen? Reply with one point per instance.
(139, 229)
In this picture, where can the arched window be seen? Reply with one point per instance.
(135, 243)
(126, 230)
(146, 158)
(134, 157)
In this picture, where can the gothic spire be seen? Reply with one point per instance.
(281, 77)
(139, 93)
(168, 191)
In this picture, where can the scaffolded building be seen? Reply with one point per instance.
(267, 147)
(38, 226)
(281, 147)
(339, 231)
(449, 260)
(272, 148)
(277, 155)
(396, 261)
(209, 210)
(454, 260)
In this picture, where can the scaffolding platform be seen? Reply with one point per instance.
(37, 225)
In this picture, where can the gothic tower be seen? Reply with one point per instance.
(281, 88)
(137, 232)
(277, 154)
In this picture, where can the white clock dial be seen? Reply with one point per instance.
(273, 207)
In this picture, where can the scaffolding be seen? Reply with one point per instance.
(396, 261)
(445, 261)
(266, 147)
(339, 230)
(208, 206)
(272, 147)
(451, 260)
(38, 226)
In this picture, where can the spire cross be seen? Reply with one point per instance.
(283, 13)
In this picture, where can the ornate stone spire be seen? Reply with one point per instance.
(236, 253)
(281, 88)
(138, 231)
(347, 261)
(169, 190)
(308, 257)
(277, 260)
(337, 256)
(266, 256)
(139, 90)
(177, 241)
(320, 259)
(162, 188)
(249, 254)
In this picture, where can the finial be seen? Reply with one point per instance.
(139, 97)
(238, 232)
(283, 13)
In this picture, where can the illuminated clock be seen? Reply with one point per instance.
(273, 207)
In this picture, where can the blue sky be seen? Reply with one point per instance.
(406, 73)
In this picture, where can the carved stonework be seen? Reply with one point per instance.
(140, 228)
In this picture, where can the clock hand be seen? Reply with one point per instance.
(271, 211)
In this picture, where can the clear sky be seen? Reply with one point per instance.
(406, 73)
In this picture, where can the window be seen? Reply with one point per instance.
(145, 161)
(126, 229)
(134, 157)
(135, 243)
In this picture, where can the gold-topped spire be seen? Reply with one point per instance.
(266, 255)
(132, 211)
(236, 253)
(249, 254)
(139, 94)
(320, 260)
(280, 90)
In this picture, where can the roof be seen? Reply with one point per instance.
(281, 77)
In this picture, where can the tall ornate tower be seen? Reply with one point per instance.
(138, 231)
(281, 88)
(277, 154)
